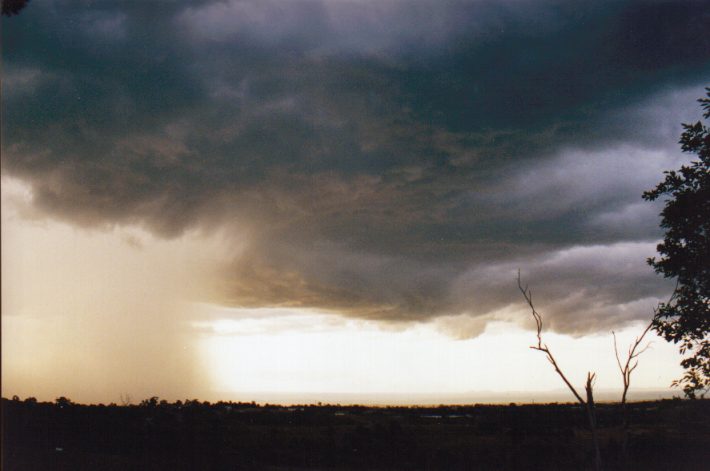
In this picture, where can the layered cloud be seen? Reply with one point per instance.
(396, 161)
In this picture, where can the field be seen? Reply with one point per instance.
(191, 435)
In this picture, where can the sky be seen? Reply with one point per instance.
(231, 199)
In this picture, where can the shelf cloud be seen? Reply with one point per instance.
(396, 161)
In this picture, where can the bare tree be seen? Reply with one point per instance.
(125, 399)
(587, 403)
(633, 353)
(635, 350)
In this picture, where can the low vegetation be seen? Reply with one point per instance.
(194, 435)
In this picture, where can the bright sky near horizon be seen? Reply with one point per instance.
(241, 197)
(110, 315)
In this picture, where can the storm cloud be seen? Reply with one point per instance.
(396, 161)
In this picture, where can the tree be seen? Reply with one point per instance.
(588, 404)
(626, 369)
(635, 350)
(685, 256)
(152, 402)
(63, 402)
(13, 7)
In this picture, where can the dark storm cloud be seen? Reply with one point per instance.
(389, 160)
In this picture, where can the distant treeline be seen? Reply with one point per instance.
(161, 435)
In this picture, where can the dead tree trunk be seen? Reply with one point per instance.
(592, 418)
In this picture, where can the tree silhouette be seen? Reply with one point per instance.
(635, 350)
(626, 369)
(685, 256)
(13, 7)
(588, 403)
(63, 401)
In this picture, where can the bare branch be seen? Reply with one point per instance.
(591, 377)
(634, 352)
(616, 352)
(543, 347)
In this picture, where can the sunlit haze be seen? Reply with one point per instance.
(102, 314)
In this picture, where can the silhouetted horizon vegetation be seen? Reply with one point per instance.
(194, 434)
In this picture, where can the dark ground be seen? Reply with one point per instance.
(156, 435)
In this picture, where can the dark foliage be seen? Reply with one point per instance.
(685, 256)
(13, 7)
(194, 435)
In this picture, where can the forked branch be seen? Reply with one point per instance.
(542, 347)
(588, 387)
(635, 350)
